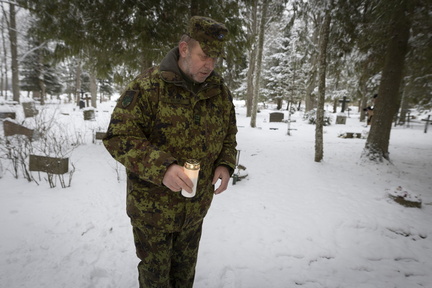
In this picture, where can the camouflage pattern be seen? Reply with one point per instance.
(158, 121)
(210, 34)
(160, 269)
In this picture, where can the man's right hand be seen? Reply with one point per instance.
(176, 180)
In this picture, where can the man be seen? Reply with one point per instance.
(178, 110)
(370, 110)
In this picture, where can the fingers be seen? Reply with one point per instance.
(175, 179)
(221, 173)
(223, 186)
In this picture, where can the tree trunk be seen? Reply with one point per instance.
(252, 61)
(259, 62)
(324, 37)
(14, 53)
(386, 103)
(93, 90)
(5, 83)
(310, 98)
(362, 94)
(404, 105)
(250, 82)
(78, 82)
(41, 78)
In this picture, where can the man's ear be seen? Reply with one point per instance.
(183, 49)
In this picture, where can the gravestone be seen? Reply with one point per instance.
(340, 119)
(29, 109)
(11, 128)
(276, 117)
(100, 135)
(4, 115)
(50, 165)
(89, 114)
(344, 100)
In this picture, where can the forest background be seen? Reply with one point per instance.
(309, 54)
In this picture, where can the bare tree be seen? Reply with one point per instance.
(324, 38)
(14, 50)
(265, 4)
(4, 72)
(252, 59)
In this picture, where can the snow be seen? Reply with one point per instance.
(292, 222)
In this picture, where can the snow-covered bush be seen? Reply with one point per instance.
(310, 116)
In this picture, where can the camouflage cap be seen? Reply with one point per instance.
(210, 34)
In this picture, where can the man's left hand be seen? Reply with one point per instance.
(222, 173)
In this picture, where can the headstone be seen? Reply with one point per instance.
(276, 117)
(100, 135)
(89, 114)
(50, 165)
(29, 109)
(11, 128)
(340, 119)
(344, 100)
(4, 115)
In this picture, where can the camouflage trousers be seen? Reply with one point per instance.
(168, 260)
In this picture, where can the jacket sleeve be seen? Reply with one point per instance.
(228, 155)
(126, 139)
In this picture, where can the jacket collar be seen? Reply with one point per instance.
(170, 71)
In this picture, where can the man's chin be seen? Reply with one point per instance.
(200, 79)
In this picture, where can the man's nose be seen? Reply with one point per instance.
(211, 63)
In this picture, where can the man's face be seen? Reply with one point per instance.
(197, 65)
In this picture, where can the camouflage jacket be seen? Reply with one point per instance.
(158, 121)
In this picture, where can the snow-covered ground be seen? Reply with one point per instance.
(291, 223)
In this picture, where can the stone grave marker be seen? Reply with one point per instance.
(50, 165)
(29, 109)
(100, 135)
(4, 115)
(11, 128)
(341, 119)
(276, 117)
(89, 114)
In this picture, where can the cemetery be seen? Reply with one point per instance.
(331, 189)
(277, 192)
(38, 140)
(40, 130)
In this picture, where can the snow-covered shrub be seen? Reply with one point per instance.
(310, 116)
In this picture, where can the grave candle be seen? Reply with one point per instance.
(191, 168)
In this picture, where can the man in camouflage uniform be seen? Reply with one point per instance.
(178, 110)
